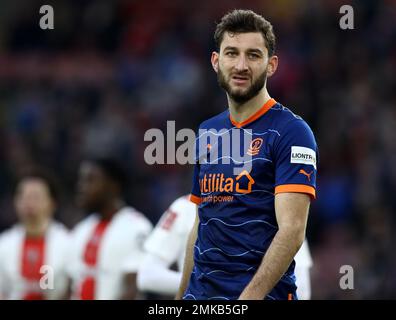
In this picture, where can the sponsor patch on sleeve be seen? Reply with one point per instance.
(303, 155)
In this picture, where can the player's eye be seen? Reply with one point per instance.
(231, 54)
(253, 56)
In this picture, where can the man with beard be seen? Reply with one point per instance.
(249, 225)
(107, 246)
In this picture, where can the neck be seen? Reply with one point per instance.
(242, 111)
(37, 229)
(109, 210)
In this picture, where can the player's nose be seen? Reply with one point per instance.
(241, 64)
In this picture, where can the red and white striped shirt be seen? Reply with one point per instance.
(33, 268)
(102, 252)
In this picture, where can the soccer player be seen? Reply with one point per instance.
(107, 246)
(251, 224)
(32, 252)
(166, 245)
(302, 270)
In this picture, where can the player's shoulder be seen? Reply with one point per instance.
(10, 236)
(133, 218)
(283, 115)
(215, 122)
(286, 122)
(182, 204)
(85, 224)
(59, 229)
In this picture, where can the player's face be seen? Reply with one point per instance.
(91, 187)
(33, 200)
(242, 65)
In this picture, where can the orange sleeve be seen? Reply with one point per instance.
(195, 199)
(299, 188)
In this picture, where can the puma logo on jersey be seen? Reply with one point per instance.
(308, 175)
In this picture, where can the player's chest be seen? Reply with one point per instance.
(22, 259)
(238, 156)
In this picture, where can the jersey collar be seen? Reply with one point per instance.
(268, 105)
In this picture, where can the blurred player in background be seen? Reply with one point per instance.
(302, 271)
(249, 225)
(166, 246)
(34, 250)
(107, 246)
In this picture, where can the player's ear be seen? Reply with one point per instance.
(215, 61)
(272, 65)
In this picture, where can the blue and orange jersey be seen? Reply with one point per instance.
(236, 209)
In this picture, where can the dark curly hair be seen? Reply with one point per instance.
(243, 21)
